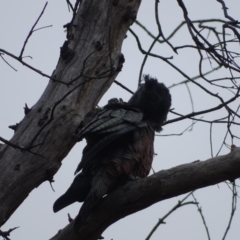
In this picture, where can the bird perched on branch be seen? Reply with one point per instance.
(119, 146)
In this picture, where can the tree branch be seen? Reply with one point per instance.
(31, 31)
(142, 193)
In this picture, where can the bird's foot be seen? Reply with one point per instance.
(132, 178)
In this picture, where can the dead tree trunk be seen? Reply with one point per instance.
(89, 61)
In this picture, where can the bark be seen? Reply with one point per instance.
(141, 194)
(93, 54)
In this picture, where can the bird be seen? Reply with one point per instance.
(120, 146)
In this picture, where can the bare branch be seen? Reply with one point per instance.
(204, 111)
(180, 203)
(37, 29)
(145, 192)
(234, 207)
(224, 7)
(180, 134)
(30, 67)
(202, 216)
(160, 28)
(70, 5)
(31, 31)
(146, 52)
(6, 234)
(7, 62)
(124, 87)
(193, 78)
(200, 21)
(17, 146)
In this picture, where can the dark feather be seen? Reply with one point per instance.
(77, 192)
(108, 126)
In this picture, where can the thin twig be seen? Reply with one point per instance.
(30, 67)
(179, 134)
(193, 78)
(37, 29)
(7, 62)
(234, 207)
(31, 31)
(146, 52)
(7, 233)
(200, 21)
(191, 101)
(224, 7)
(211, 145)
(28, 149)
(69, 5)
(203, 111)
(180, 203)
(202, 216)
(124, 87)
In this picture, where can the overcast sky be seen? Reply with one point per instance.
(35, 216)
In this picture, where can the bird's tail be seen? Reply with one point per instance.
(101, 184)
(77, 192)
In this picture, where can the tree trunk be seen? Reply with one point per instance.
(89, 62)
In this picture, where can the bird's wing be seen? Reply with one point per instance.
(106, 127)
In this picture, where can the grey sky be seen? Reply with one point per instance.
(35, 216)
